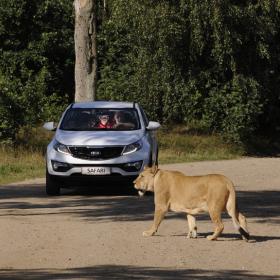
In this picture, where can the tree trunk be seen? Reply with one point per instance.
(85, 50)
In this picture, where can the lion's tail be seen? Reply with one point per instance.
(239, 220)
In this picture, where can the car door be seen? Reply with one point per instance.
(151, 137)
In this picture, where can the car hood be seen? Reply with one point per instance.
(98, 138)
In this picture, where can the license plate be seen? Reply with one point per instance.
(96, 170)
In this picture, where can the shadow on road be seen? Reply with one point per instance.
(260, 205)
(116, 203)
(106, 203)
(130, 272)
(38, 190)
(235, 236)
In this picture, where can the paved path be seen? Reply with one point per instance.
(90, 234)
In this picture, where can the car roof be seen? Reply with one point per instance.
(104, 104)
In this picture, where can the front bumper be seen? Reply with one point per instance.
(73, 166)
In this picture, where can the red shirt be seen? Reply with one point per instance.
(107, 125)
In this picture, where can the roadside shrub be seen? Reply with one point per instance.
(234, 109)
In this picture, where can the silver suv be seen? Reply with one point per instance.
(98, 141)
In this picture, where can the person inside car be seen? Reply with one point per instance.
(121, 121)
(104, 121)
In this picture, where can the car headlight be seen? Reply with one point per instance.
(131, 148)
(61, 148)
(60, 166)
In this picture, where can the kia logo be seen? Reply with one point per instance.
(95, 153)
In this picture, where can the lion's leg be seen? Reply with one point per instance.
(243, 223)
(219, 227)
(158, 217)
(192, 227)
(239, 221)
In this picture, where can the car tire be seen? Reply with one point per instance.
(150, 160)
(129, 188)
(156, 162)
(52, 187)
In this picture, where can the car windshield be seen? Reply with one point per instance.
(80, 119)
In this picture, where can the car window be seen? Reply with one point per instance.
(145, 118)
(78, 119)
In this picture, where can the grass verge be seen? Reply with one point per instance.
(179, 146)
(20, 164)
(176, 145)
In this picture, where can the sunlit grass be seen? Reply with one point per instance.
(175, 145)
(26, 160)
(180, 146)
(20, 164)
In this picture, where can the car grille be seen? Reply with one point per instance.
(95, 153)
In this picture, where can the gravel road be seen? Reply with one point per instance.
(97, 234)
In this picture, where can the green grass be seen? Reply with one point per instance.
(179, 145)
(26, 161)
(176, 145)
(20, 164)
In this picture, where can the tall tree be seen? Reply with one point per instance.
(85, 49)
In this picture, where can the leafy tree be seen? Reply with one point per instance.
(211, 62)
(36, 65)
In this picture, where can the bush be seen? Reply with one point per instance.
(234, 109)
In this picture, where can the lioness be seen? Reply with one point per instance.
(191, 194)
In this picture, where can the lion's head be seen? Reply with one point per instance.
(145, 181)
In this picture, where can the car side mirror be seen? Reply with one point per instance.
(153, 126)
(50, 126)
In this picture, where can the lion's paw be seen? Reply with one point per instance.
(192, 234)
(211, 237)
(148, 233)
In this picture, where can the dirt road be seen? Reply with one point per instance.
(86, 234)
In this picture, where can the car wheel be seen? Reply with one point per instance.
(129, 187)
(52, 187)
(150, 160)
(156, 161)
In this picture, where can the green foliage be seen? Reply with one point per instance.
(212, 63)
(36, 62)
(233, 109)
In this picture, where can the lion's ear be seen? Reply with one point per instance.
(154, 169)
